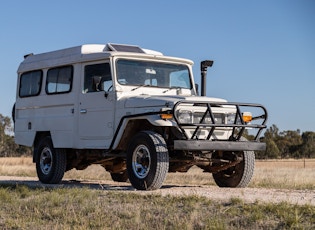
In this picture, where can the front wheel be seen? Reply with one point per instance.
(50, 162)
(239, 175)
(147, 161)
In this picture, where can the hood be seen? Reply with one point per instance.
(164, 100)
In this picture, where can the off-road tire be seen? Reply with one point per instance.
(239, 175)
(50, 162)
(120, 177)
(147, 161)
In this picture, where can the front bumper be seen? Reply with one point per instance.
(207, 145)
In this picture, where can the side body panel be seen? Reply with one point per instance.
(53, 113)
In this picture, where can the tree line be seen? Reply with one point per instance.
(8, 148)
(288, 144)
(279, 144)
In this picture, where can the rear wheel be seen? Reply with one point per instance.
(50, 162)
(147, 161)
(239, 175)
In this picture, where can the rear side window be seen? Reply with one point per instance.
(30, 83)
(59, 80)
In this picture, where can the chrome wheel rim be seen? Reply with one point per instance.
(141, 161)
(46, 159)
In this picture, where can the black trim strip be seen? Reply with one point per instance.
(131, 116)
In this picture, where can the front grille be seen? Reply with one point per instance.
(218, 118)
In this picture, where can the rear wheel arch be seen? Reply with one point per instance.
(38, 137)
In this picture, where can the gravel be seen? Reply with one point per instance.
(248, 195)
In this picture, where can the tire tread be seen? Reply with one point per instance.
(156, 177)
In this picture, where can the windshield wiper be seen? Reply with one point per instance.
(174, 87)
(140, 87)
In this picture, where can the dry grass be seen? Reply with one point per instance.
(83, 208)
(287, 163)
(289, 174)
(297, 174)
(17, 166)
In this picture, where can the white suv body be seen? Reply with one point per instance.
(113, 104)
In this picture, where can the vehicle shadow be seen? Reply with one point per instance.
(101, 185)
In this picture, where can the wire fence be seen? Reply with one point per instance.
(291, 163)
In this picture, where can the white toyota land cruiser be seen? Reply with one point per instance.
(134, 111)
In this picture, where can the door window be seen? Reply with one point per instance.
(97, 77)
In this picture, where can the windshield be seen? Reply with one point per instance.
(156, 74)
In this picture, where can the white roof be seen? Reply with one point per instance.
(84, 53)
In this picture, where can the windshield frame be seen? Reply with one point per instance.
(160, 69)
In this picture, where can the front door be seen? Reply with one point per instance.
(96, 111)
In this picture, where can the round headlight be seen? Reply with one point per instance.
(184, 116)
(230, 118)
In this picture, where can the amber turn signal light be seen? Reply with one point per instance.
(166, 116)
(247, 117)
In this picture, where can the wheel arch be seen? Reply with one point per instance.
(133, 127)
(39, 135)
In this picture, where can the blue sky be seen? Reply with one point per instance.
(263, 51)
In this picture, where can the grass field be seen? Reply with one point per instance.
(83, 208)
(23, 207)
(289, 174)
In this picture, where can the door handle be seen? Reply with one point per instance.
(83, 111)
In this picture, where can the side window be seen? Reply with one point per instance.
(59, 80)
(97, 77)
(30, 83)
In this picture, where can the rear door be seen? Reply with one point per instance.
(96, 111)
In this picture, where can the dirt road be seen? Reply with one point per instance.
(249, 195)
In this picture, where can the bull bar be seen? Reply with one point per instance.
(235, 142)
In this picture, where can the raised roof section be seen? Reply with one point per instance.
(76, 54)
(92, 48)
